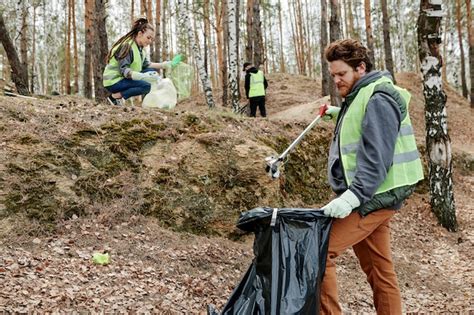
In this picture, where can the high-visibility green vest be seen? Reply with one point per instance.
(112, 73)
(257, 87)
(406, 168)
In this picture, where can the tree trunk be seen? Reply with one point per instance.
(89, 37)
(335, 34)
(164, 32)
(249, 46)
(24, 37)
(280, 28)
(325, 79)
(401, 38)
(438, 143)
(386, 39)
(233, 61)
(100, 50)
(368, 31)
(258, 53)
(19, 73)
(67, 53)
(157, 56)
(186, 25)
(470, 32)
(76, 55)
(461, 47)
(445, 45)
(218, 10)
(33, 53)
(225, 52)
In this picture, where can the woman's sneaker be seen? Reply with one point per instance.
(115, 101)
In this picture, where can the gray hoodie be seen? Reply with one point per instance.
(380, 128)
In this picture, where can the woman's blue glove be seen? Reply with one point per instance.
(342, 206)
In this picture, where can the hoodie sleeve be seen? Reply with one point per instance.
(125, 62)
(380, 128)
(247, 84)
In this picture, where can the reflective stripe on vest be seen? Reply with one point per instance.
(257, 87)
(112, 73)
(406, 168)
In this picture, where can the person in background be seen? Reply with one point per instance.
(128, 72)
(373, 167)
(255, 86)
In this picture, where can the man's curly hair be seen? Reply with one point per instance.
(350, 51)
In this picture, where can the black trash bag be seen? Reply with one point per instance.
(285, 277)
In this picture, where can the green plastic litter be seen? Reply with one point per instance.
(176, 60)
(182, 76)
(101, 259)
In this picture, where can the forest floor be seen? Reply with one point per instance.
(158, 269)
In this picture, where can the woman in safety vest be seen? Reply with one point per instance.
(128, 72)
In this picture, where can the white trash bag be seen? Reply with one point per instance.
(162, 95)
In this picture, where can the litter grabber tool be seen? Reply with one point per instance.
(274, 163)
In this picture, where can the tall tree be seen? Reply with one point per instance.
(24, 36)
(186, 25)
(75, 51)
(157, 50)
(324, 42)
(88, 40)
(334, 34)
(19, 73)
(368, 30)
(438, 143)
(461, 47)
(280, 29)
(470, 34)
(233, 61)
(33, 52)
(249, 23)
(67, 53)
(100, 49)
(386, 39)
(226, 48)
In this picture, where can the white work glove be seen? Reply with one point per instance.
(151, 76)
(331, 113)
(342, 206)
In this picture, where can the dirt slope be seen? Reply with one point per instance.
(161, 191)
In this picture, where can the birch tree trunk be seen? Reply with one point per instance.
(334, 34)
(19, 73)
(233, 61)
(470, 34)
(324, 42)
(368, 30)
(438, 143)
(186, 25)
(88, 29)
(225, 52)
(461, 47)
(386, 39)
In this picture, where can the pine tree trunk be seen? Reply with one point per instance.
(258, 53)
(33, 53)
(218, 10)
(325, 79)
(67, 53)
(249, 46)
(386, 39)
(335, 34)
(157, 56)
(280, 28)
(233, 61)
(368, 30)
(100, 50)
(76, 54)
(24, 37)
(19, 73)
(438, 143)
(461, 47)
(470, 32)
(186, 25)
(89, 35)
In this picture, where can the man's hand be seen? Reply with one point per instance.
(151, 76)
(342, 206)
(331, 113)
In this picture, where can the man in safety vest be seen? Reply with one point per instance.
(255, 86)
(373, 167)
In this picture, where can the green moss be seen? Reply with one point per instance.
(98, 186)
(28, 139)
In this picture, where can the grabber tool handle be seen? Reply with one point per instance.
(322, 110)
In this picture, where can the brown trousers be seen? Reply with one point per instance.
(370, 238)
